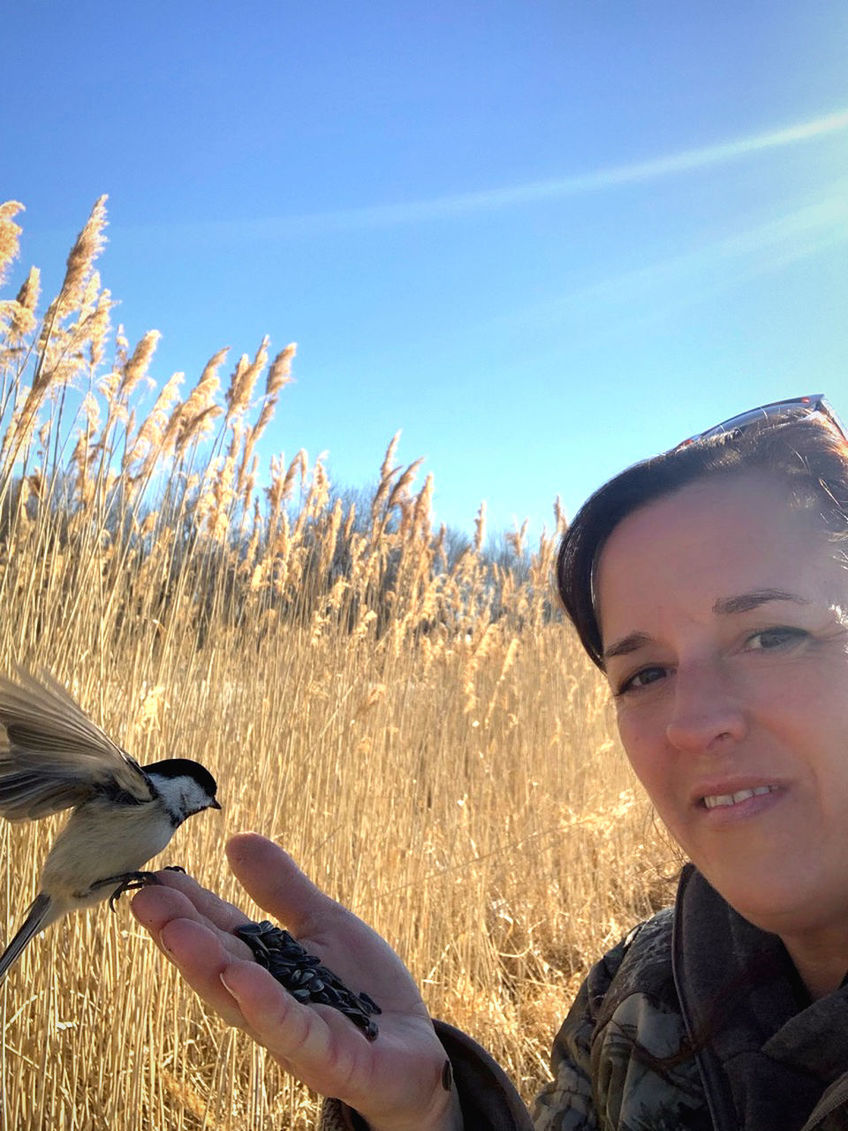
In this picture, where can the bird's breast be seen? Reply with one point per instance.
(102, 840)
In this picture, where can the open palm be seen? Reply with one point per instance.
(394, 1082)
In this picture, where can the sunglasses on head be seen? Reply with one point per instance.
(807, 406)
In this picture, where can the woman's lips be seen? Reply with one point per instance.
(713, 801)
(724, 804)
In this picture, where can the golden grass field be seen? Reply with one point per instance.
(422, 733)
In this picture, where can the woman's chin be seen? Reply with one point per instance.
(785, 904)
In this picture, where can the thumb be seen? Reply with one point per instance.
(273, 880)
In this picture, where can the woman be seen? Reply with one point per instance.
(710, 586)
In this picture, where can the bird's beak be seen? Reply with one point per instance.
(215, 803)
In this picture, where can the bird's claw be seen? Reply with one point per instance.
(130, 882)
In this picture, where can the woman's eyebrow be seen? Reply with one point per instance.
(630, 643)
(724, 606)
(744, 602)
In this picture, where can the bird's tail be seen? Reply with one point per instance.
(37, 917)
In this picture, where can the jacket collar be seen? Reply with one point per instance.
(765, 1050)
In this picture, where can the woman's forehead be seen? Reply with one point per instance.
(711, 540)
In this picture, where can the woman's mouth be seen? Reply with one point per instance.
(714, 800)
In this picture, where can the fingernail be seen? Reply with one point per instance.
(223, 978)
(447, 1076)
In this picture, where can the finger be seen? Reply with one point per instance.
(199, 955)
(218, 911)
(349, 946)
(158, 905)
(273, 880)
(299, 1036)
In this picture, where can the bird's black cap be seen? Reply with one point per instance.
(184, 767)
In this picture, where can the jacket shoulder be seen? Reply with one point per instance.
(619, 1059)
(640, 963)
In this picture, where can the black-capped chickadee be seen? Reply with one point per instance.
(53, 757)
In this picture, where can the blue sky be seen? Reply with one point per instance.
(544, 239)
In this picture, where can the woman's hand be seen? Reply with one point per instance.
(395, 1082)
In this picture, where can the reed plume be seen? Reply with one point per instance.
(78, 271)
(10, 234)
(410, 717)
(19, 315)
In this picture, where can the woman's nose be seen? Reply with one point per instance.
(705, 710)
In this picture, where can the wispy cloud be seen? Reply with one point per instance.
(490, 200)
(756, 250)
(664, 286)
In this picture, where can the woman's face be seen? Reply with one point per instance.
(724, 617)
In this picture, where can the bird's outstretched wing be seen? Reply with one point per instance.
(52, 756)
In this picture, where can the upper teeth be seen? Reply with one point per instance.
(733, 798)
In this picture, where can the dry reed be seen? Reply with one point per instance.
(422, 733)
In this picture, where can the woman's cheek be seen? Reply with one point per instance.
(642, 735)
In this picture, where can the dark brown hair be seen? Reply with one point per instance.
(803, 450)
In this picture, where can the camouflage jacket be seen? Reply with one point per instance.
(697, 1021)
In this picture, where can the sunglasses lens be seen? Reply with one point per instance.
(811, 404)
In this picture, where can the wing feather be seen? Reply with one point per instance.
(52, 756)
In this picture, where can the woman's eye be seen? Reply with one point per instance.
(640, 679)
(771, 638)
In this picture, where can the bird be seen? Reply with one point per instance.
(52, 758)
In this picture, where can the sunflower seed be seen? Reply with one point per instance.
(304, 975)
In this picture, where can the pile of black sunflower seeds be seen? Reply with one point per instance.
(304, 975)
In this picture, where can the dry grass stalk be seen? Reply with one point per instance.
(399, 492)
(17, 318)
(422, 523)
(136, 367)
(299, 466)
(10, 235)
(154, 437)
(247, 483)
(279, 374)
(199, 408)
(80, 264)
(349, 521)
(97, 330)
(480, 528)
(386, 469)
(560, 518)
(387, 474)
(420, 731)
(517, 537)
(243, 381)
